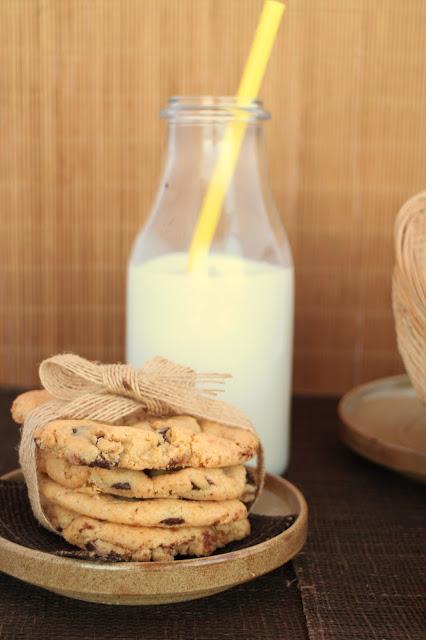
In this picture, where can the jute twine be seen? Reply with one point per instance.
(111, 392)
(409, 289)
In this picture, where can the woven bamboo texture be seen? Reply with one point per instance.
(81, 84)
(409, 289)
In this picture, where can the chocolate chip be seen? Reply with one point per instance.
(103, 464)
(149, 472)
(90, 546)
(289, 520)
(172, 522)
(163, 432)
(121, 485)
(74, 430)
(211, 483)
(194, 486)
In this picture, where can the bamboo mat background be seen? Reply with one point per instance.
(81, 84)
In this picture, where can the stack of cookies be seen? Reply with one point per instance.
(152, 489)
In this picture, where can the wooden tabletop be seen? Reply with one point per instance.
(359, 577)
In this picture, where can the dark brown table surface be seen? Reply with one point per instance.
(361, 575)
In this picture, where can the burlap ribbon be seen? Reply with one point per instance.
(111, 392)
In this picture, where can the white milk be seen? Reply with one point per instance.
(237, 319)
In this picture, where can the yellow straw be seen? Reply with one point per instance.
(248, 90)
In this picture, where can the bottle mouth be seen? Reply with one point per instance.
(216, 108)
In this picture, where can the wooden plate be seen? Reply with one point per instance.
(145, 583)
(385, 422)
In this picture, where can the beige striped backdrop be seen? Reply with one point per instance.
(81, 84)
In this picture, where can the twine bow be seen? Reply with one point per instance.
(111, 392)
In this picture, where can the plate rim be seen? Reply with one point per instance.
(349, 428)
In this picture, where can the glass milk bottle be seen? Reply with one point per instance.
(237, 316)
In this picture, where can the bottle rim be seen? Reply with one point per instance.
(199, 108)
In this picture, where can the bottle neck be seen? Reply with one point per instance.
(193, 151)
(249, 225)
(197, 127)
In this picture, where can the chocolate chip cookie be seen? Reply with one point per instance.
(27, 402)
(131, 543)
(227, 483)
(148, 443)
(156, 443)
(143, 513)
